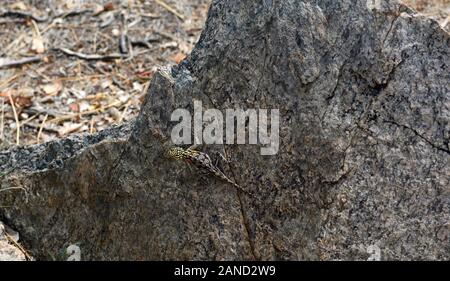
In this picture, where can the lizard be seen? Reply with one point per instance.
(202, 162)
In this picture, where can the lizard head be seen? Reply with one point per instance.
(175, 153)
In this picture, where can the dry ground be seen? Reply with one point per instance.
(120, 44)
(437, 9)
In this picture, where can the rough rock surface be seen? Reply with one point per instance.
(362, 173)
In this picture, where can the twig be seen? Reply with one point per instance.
(72, 13)
(136, 21)
(170, 9)
(110, 18)
(12, 188)
(13, 63)
(91, 56)
(151, 16)
(15, 187)
(145, 42)
(445, 22)
(167, 35)
(41, 128)
(16, 118)
(78, 78)
(39, 110)
(24, 122)
(44, 127)
(91, 126)
(2, 123)
(123, 40)
(36, 28)
(27, 256)
(141, 43)
(123, 113)
(48, 27)
(14, 43)
(87, 112)
(142, 52)
(123, 43)
(20, 14)
(9, 80)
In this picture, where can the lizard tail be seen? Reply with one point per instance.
(239, 187)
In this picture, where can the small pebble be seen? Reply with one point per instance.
(115, 113)
(115, 32)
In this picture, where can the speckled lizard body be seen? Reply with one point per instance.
(202, 162)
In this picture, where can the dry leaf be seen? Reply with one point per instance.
(69, 128)
(52, 89)
(19, 101)
(184, 47)
(23, 101)
(105, 8)
(169, 45)
(70, 4)
(74, 107)
(98, 9)
(5, 95)
(8, 92)
(84, 105)
(115, 113)
(37, 45)
(146, 74)
(108, 6)
(137, 86)
(18, 6)
(106, 84)
(177, 58)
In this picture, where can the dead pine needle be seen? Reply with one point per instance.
(41, 128)
(170, 9)
(5, 62)
(20, 14)
(87, 112)
(10, 239)
(2, 121)
(91, 126)
(9, 80)
(91, 56)
(16, 118)
(12, 188)
(72, 13)
(122, 116)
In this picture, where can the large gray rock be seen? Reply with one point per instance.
(363, 172)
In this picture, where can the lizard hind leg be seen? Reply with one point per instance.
(194, 147)
(196, 144)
